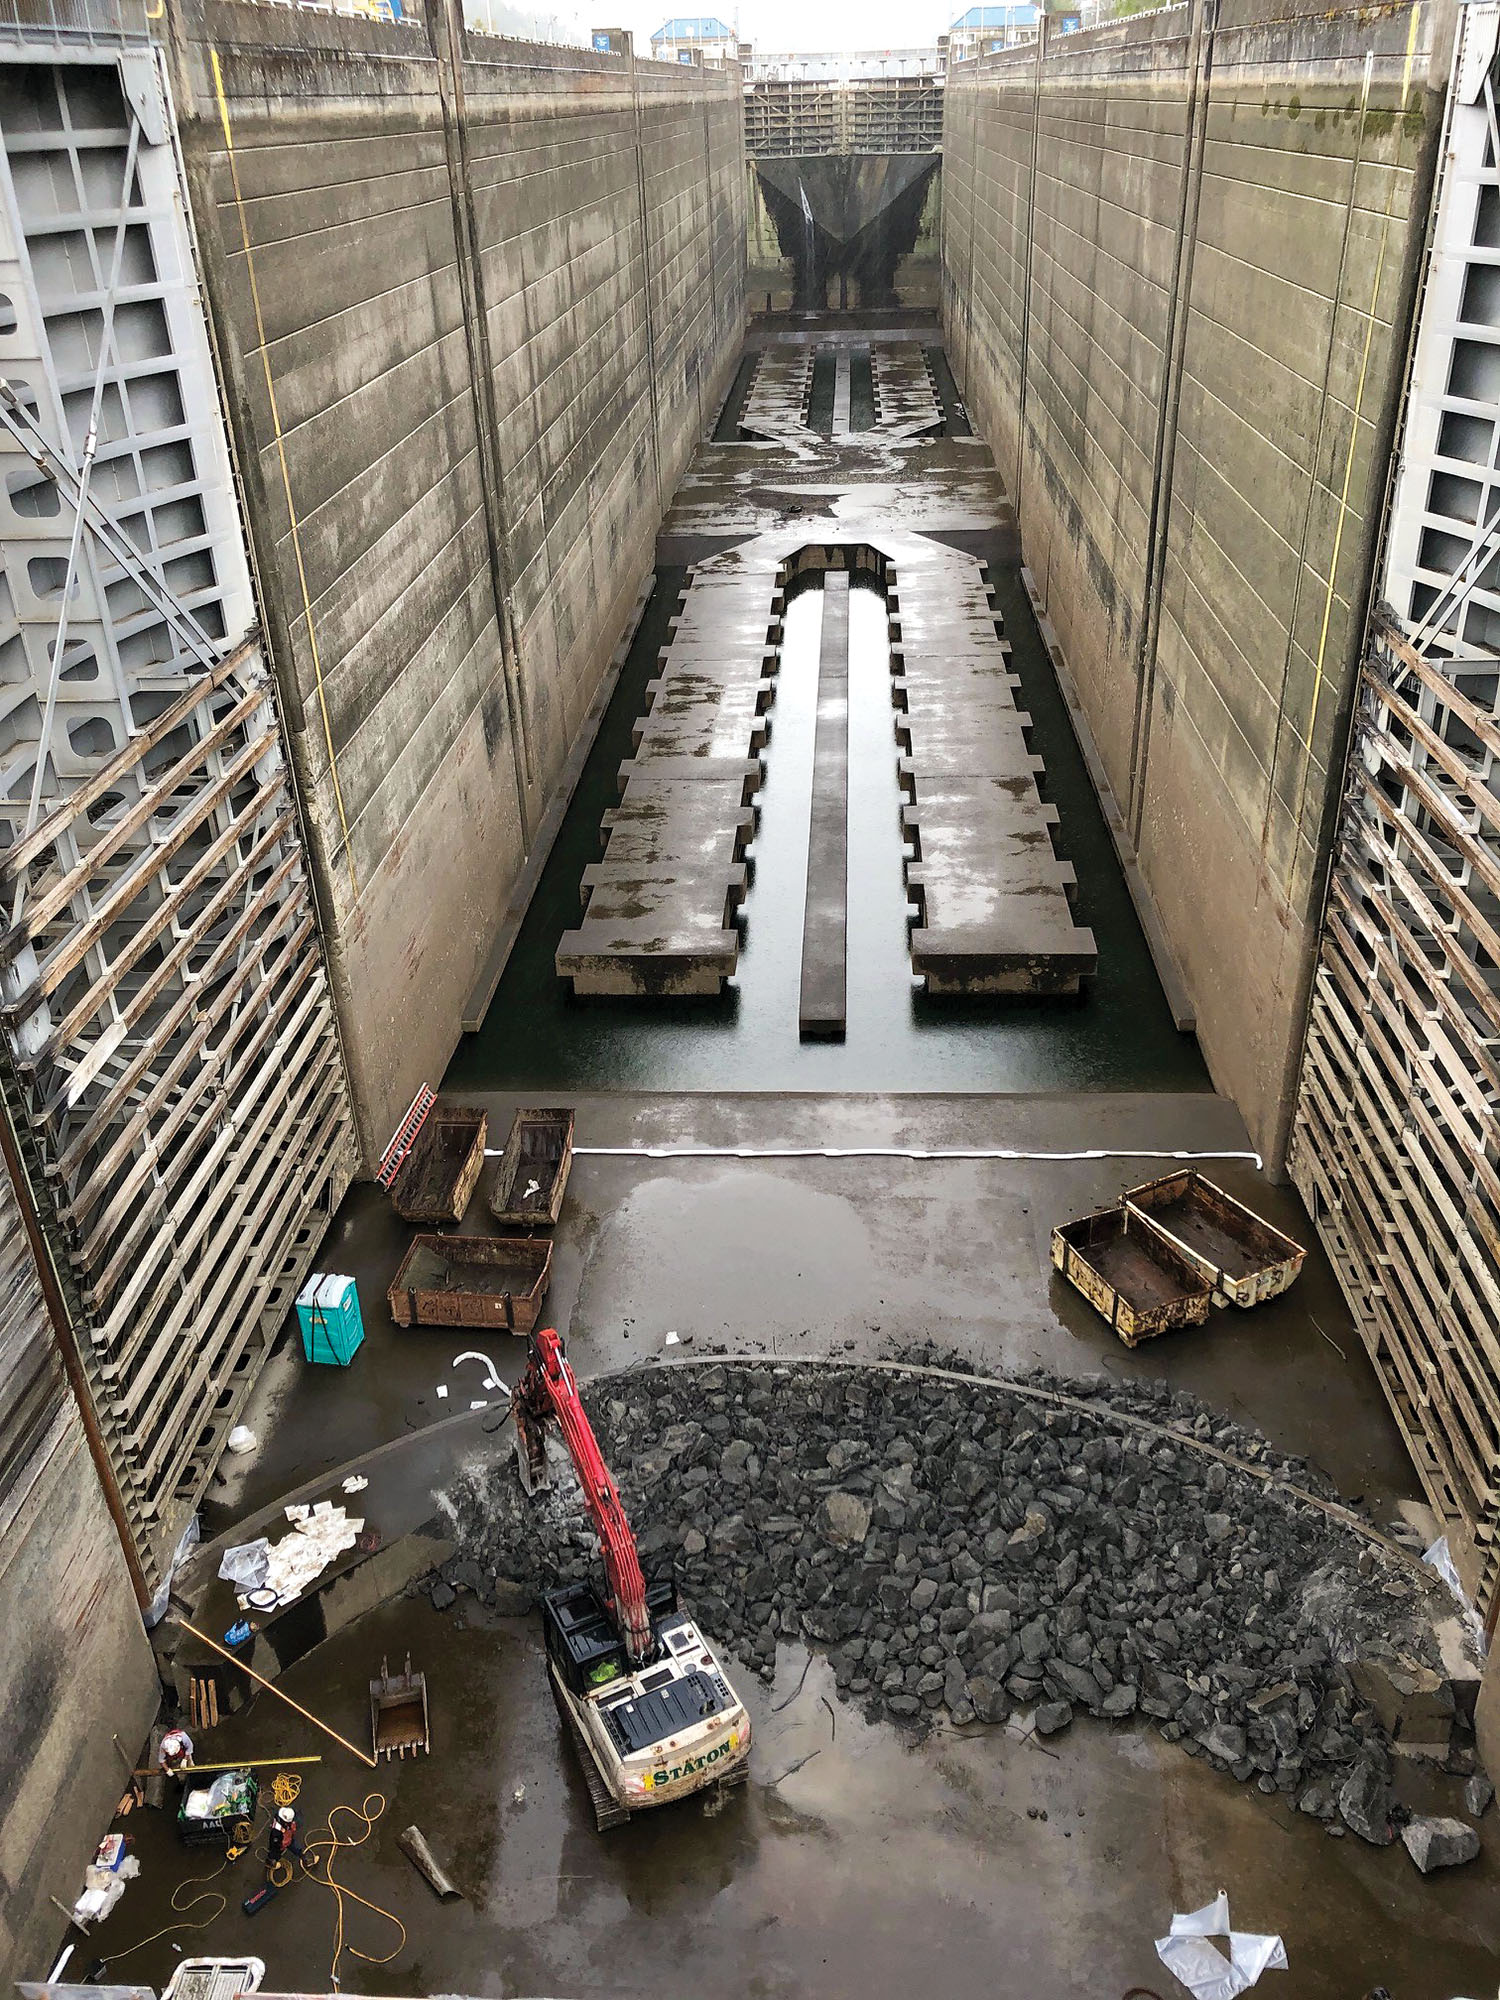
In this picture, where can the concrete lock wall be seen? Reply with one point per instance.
(75, 1666)
(493, 294)
(1178, 258)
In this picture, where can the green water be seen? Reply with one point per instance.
(1116, 1036)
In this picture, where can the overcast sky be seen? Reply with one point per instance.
(796, 24)
(773, 25)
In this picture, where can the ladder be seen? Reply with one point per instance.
(404, 1136)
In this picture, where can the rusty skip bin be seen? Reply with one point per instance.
(1131, 1274)
(1240, 1254)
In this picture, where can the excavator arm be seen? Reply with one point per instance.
(548, 1393)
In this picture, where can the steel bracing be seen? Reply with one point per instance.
(172, 1058)
(1396, 1143)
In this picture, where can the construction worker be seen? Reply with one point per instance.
(282, 1843)
(175, 1752)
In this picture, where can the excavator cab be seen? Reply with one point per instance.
(582, 1643)
(651, 1733)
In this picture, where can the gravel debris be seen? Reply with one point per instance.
(960, 1551)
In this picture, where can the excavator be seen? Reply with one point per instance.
(642, 1693)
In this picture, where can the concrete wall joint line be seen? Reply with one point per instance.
(1027, 260)
(1317, 457)
(448, 47)
(286, 478)
(1200, 63)
(645, 216)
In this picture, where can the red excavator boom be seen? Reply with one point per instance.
(548, 1392)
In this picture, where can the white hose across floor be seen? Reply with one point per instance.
(676, 1152)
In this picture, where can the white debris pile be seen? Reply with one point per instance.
(319, 1535)
(104, 1881)
(287, 1567)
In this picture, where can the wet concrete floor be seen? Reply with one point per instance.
(873, 1867)
(852, 1864)
(862, 1255)
(1117, 1035)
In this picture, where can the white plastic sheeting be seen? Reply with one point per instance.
(1189, 1954)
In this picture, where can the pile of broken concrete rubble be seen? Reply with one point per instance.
(965, 1552)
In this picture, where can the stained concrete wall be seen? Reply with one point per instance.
(75, 1665)
(1178, 257)
(476, 300)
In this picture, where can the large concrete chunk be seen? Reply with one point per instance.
(1439, 1843)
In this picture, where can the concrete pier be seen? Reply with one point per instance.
(823, 1007)
(658, 910)
(906, 403)
(993, 897)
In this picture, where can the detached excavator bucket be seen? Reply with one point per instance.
(398, 1713)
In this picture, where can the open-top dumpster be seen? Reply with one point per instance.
(1131, 1274)
(483, 1281)
(446, 1159)
(534, 1169)
(1240, 1254)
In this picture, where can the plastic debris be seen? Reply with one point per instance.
(355, 1483)
(442, 1389)
(103, 1886)
(491, 1373)
(191, 1535)
(318, 1535)
(246, 1564)
(1440, 1558)
(518, 1796)
(479, 1404)
(1202, 1968)
(672, 1340)
(241, 1440)
(238, 1632)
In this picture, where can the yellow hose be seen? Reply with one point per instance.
(325, 1851)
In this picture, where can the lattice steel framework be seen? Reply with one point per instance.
(801, 116)
(173, 1060)
(1396, 1143)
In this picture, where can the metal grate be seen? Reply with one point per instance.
(173, 1059)
(1396, 1142)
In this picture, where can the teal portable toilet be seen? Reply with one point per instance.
(328, 1313)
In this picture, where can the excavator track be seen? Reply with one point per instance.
(608, 1812)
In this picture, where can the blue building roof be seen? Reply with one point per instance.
(1021, 14)
(697, 28)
